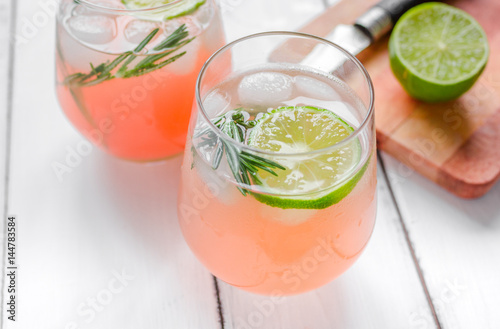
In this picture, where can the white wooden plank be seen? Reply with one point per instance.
(243, 17)
(4, 88)
(381, 290)
(102, 247)
(329, 3)
(5, 22)
(457, 244)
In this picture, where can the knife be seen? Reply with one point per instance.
(368, 28)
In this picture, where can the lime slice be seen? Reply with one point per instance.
(313, 180)
(175, 9)
(437, 52)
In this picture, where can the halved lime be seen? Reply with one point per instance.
(437, 52)
(311, 180)
(175, 9)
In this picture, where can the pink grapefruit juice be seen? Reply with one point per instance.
(268, 250)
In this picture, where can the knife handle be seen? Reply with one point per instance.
(379, 19)
(396, 8)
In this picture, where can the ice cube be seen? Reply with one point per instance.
(81, 10)
(191, 24)
(108, 4)
(87, 10)
(137, 30)
(315, 88)
(77, 55)
(216, 103)
(95, 29)
(265, 88)
(204, 15)
(187, 63)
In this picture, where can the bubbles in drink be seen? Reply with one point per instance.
(137, 30)
(265, 88)
(95, 29)
(315, 88)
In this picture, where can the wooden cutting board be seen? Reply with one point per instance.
(455, 144)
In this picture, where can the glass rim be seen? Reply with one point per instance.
(245, 147)
(126, 10)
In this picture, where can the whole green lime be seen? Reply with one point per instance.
(437, 52)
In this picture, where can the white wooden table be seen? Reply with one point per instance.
(102, 248)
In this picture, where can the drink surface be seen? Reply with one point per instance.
(142, 117)
(262, 248)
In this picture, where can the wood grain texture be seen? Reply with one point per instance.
(101, 247)
(447, 142)
(382, 290)
(457, 244)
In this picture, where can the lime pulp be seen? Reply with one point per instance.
(437, 52)
(312, 180)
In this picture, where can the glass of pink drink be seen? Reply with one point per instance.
(278, 189)
(126, 71)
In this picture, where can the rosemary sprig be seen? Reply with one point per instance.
(243, 165)
(104, 71)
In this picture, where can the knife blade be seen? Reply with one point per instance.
(368, 28)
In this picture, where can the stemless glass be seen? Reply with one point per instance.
(126, 77)
(272, 239)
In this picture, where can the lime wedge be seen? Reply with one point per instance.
(312, 180)
(437, 52)
(176, 8)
